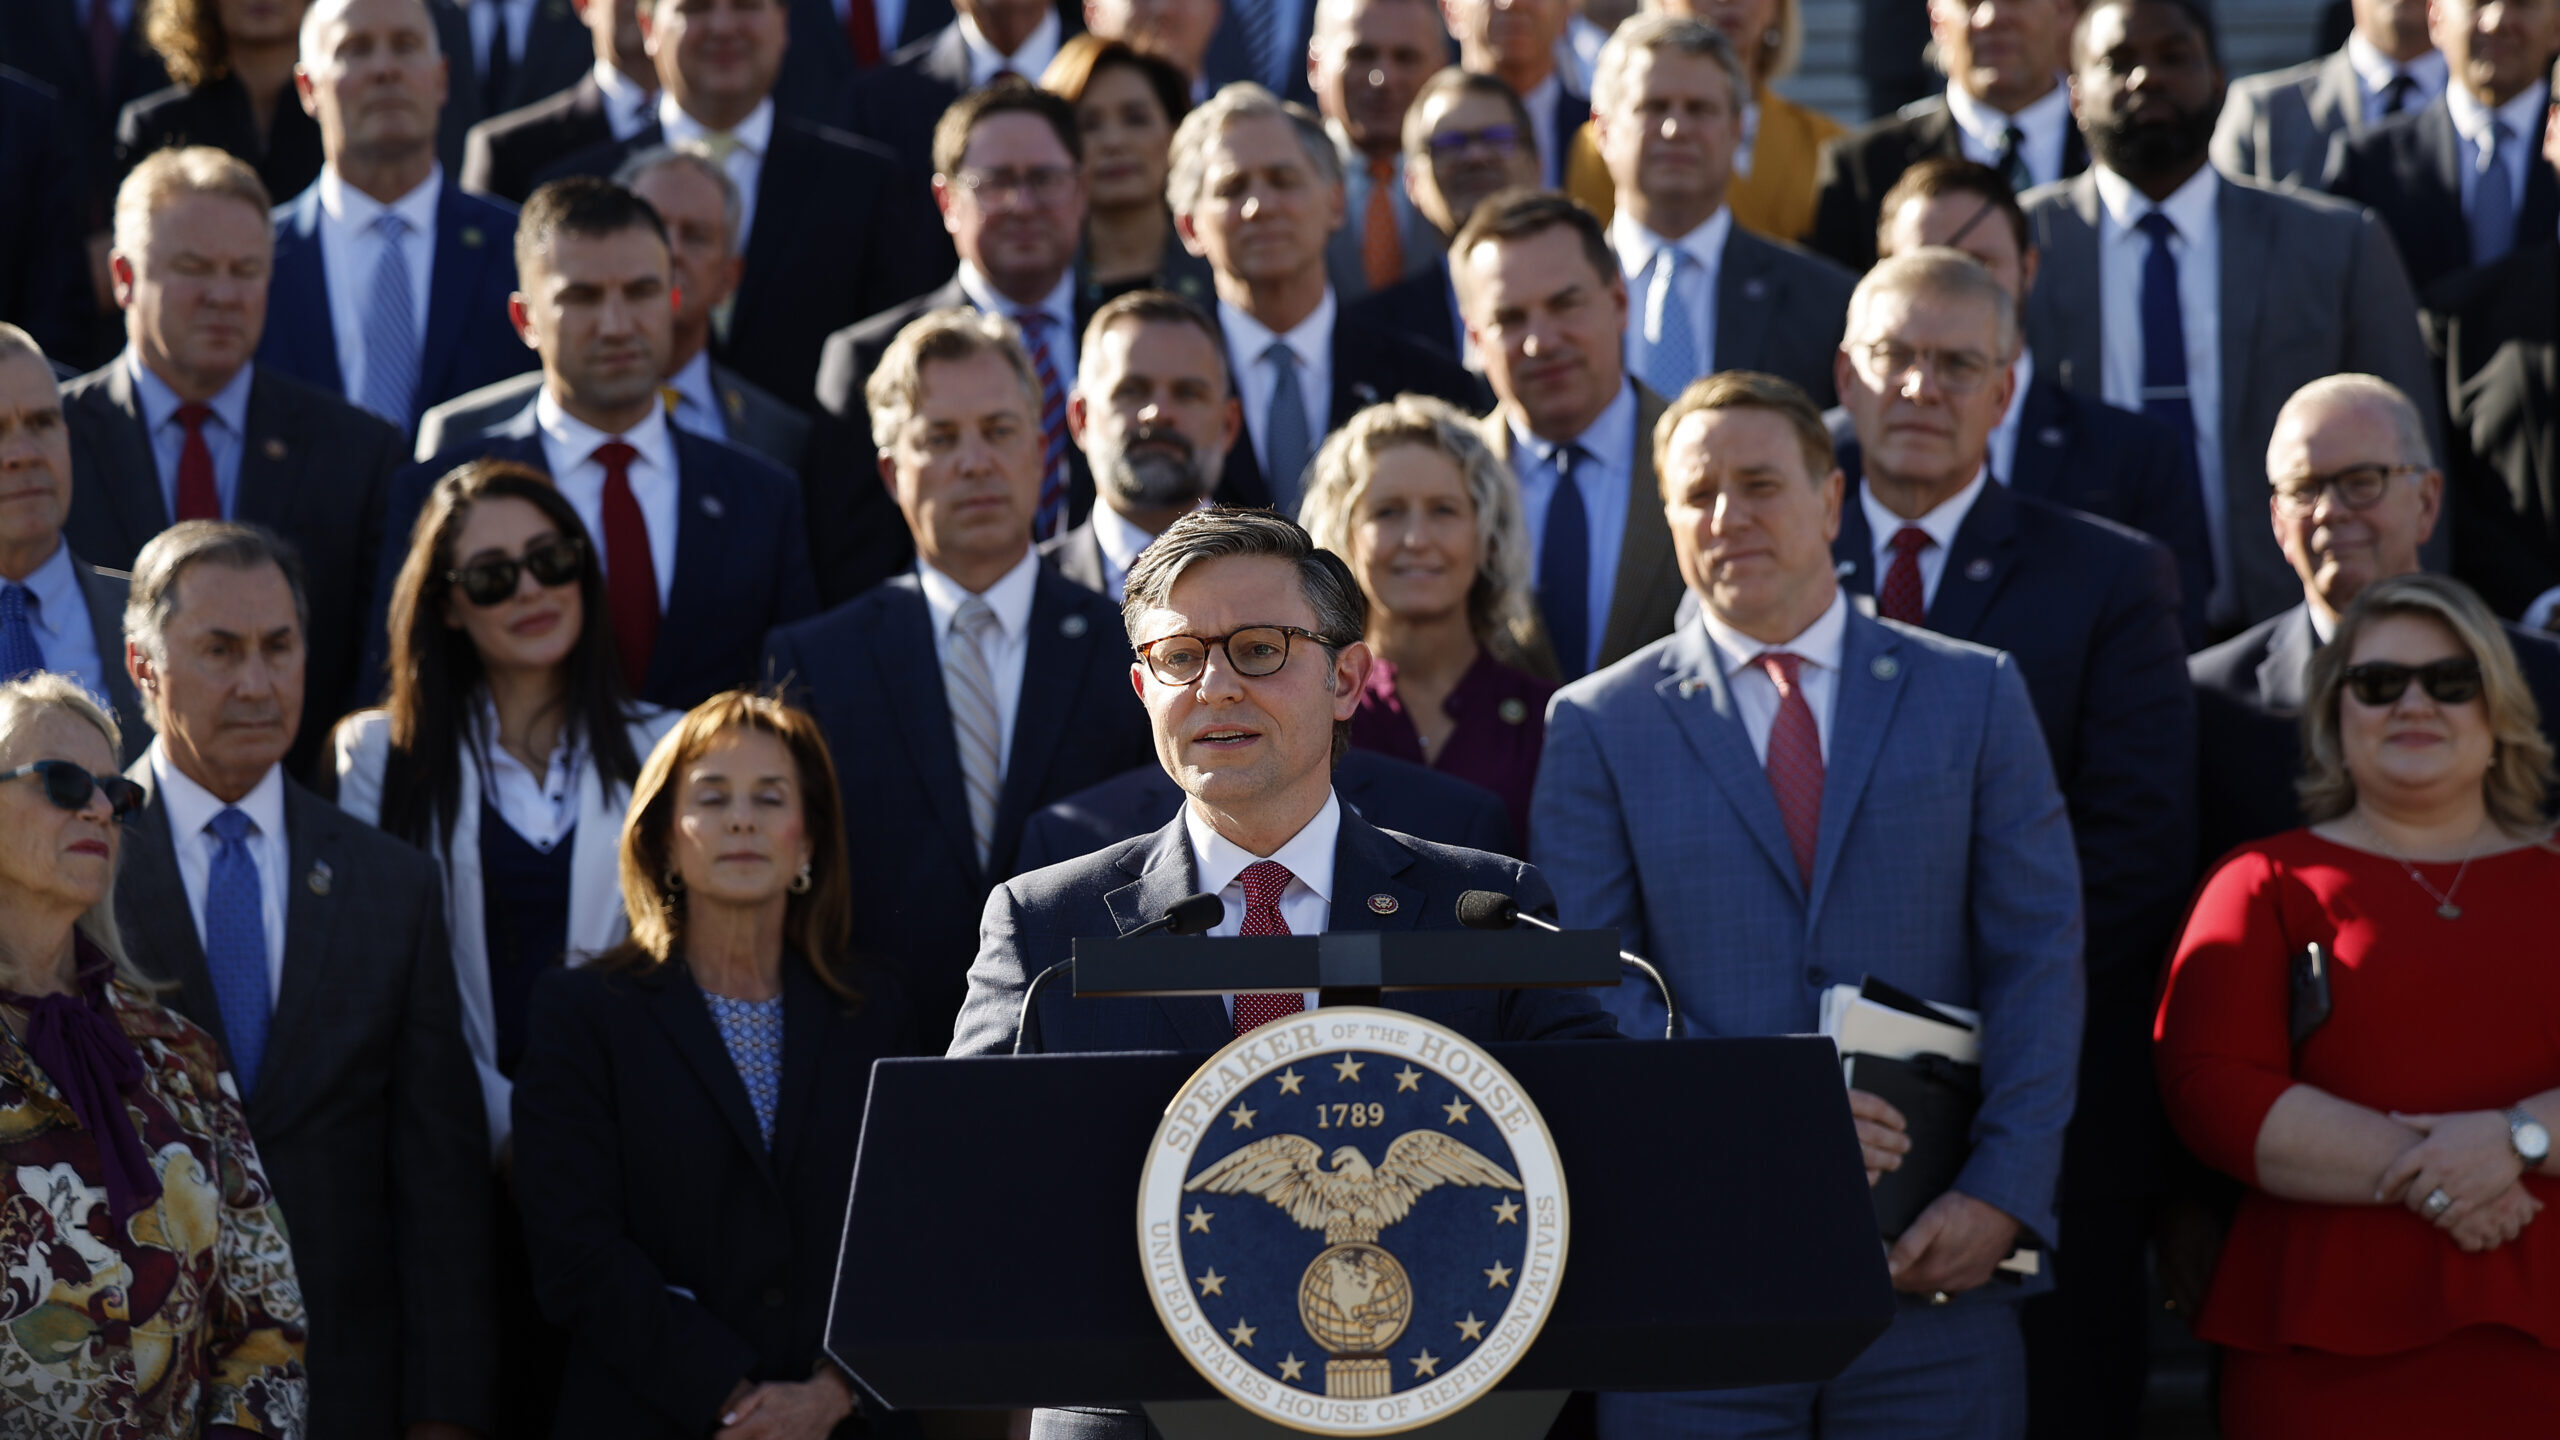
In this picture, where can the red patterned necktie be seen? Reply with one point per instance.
(630, 573)
(862, 31)
(198, 499)
(1900, 597)
(1264, 881)
(1795, 761)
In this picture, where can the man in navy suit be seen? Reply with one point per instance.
(44, 283)
(1465, 138)
(503, 55)
(612, 101)
(1784, 795)
(962, 697)
(1515, 43)
(703, 545)
(830, 49)
(390, 284)
(2089, 610)
(1389, 793)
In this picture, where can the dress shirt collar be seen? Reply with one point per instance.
(566, 748)
(1121, 539)
(1940, 524)
(1311, 339)
(1608, 440)
(1818, 644)
(1355, 161)
(56, 586)
(2190, 206)
(626, 103)
(1029, 62)
(1059, 304)
(2044, 116)
(2376, 69)
(159, 403)
(1308, 855)
(753, 134)
(192, 807)
(2319, 622)
(357, 211)
(578, 439)
(693, 387)
(1636, 245)
(2522, 114)
(1010, 598)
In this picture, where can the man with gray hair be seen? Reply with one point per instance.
(1666, 109)
(312, 946)
(1256, 188)
(1155, 415)
(2356, 491)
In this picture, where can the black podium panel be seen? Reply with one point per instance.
(1721, 1230)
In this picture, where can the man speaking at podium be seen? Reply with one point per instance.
(1250, 664)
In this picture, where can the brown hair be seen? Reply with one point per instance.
(1153, 307)
(579, 205)
(1747, 390)
(1007, 95)
(817, 923)
(1943, 175)
(188, 37)
(1522, 211)
(1082, 57)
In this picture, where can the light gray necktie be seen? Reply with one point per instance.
(2493, 204)
(391, 328)
(969, 683)
(1284, 433)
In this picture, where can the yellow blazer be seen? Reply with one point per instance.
(1775, 199)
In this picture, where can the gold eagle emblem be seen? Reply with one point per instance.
(1353, 1201)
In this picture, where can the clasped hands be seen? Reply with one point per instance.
(1958, 1241)
(2471, 1158)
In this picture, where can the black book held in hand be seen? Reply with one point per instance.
(1937, 1097)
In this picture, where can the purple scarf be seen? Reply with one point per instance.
(76, 1042)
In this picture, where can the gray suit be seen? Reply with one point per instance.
(104, 591)
(756, 420)
(2276, 127)
(1646, 597)
(2310, 287)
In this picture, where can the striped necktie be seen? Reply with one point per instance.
(1050, 518)
(969, 684)
(391, 327)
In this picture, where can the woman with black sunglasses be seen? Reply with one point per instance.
(507, 750)
(2358, 1026)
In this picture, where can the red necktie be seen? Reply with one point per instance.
(1263, 882)
(1899, 598)
(1381, 248)
(198, 498)
(1795, 761)
(862, 29)
(630, 575)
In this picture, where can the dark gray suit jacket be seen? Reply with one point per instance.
(2276, 128)
(366, 1112)
(105, 591)
(1779, 309)
(756, 421)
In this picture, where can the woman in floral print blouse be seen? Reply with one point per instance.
(146, 1284)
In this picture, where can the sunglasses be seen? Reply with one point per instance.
(69, 786)
(2453, 681)
(556, 561)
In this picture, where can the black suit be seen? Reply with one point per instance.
(557, 50)
(2249, 693)
(819, 71)
(502, 154)
(840, 232)
(898, 101)
(104, 595)
(1858, 168)
(2090, 611)
(366, 1112)
(1369, 365)
(46, 40)
(1421, 308)
(2495, 334)
(2084, 454)
(313, 468)
(44, 274)
(2408, 170)
(680, 1252)
(217, 113)
(868, 670)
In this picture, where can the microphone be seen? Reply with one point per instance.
(1493, 910)
(1191, 915)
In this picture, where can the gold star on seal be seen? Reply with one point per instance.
(1458, 1110)
(1471, 1328)
(1242, 1334)
(1291, 1367)
(1243, 1116)
(1506, 1213)
(1212, 1283)
(1408, 1078)
(1426, 1363)
(1500, 1275)
(1199, 1219)
(1290, 1080)
(1348, 1068)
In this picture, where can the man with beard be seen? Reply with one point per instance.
(1154, 415)
(1367, 60)
(1465, 137)
(2151, 258)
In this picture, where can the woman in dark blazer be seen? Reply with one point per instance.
(233, 64)
(688, 1104)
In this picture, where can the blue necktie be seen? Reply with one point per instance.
(391, 328)
(1564, 569)
(19, 652)
(2493, 203)
(1671, 362)
(2164, 334)
(235, 944)
(1284, 435)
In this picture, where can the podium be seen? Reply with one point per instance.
(1722, 1232)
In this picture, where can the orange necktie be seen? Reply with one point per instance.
(1381, 248)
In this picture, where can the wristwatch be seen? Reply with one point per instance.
(2532, 1142)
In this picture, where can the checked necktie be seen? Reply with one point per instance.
(19, 653)
(1902, 597)
(1264, 881)
(1795, 761)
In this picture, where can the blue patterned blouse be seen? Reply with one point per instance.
(752, 1031)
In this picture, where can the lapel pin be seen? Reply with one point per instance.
(2051, 437)
(1382, 904)
(712, 507)
(1513, 711)
(1073, 627)
(1689, 688)
(319, 877)
(1977, 569)
(1365, 394)
(1755, 288)
(1884, 667)
(274, 448)
(471, 237)
(736, 400)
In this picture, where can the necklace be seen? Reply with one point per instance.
(2445, 908)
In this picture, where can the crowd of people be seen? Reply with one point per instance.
(572, 572)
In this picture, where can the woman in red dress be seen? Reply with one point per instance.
(2386, 1274)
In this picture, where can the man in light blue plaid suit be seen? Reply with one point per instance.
(1786, 794)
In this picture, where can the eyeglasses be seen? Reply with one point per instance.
(2358, 487)
(556, 561)
(1043, 183)
(1253, 652)
(69, 786)
(1449, 144)
(1958, 372)
(2454, 680)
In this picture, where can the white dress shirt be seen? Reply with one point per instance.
(626, 102)
(2004, 436)
(890, 14)
(746, 159)
(1059, 305)
(191, 809)
(569, 452)
(1818, 646)
(2122, 249)
(1604, 479)
(1541, 103)
(1695, 289)
(542, 809)
(1120, 539)
(697, 399)
(2471, 120)
(1306, 907)
(484, 15)
(1311, 341)
(2044, 129)
(1010, 598)
(2375, 71)
(350, 248)
(1940, 525)
(61, 624)
(1029, 62)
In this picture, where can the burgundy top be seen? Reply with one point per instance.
(1499, 724)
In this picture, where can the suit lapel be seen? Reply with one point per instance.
(678, 1006)
(1862, 706)
(2246, 256)
(104, 599)
(1853, 550)
(1646, 562)
(2036, 463)
(1978, 564)
(2071, 268)
(911, 674)
(164, 923)
(1367, 864)
(461, 250)
(2289, 650)
(1743, 301)
(809, 1011)
(128, 472)
(299, 292)
(265, 495)
(702, 503)
(2337, 99)
(1702, 704)
(1161, 874)
(1055, 657)
(313, 845)
(1353, 391)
